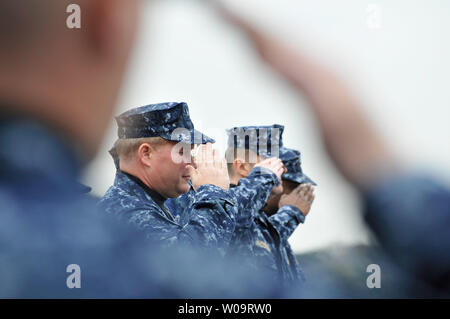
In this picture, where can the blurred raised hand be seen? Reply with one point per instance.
(358, 151)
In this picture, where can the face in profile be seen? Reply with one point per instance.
(170, 170)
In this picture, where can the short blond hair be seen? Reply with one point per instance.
(127, 147)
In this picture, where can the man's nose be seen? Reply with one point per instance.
(193, 163)
(189, 160)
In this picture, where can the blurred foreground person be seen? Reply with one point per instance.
(259, 237)
(58, 87)
(154, 150)
(57, 91)
(409, 213)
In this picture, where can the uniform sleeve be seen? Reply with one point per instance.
(410, 215)
(286, 220)
(156, 227)
(179, 206)
(212, 218)
(252, 193)
(211, 223)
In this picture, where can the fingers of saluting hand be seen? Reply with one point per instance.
(216, 158)
(300, 190)
(311, 194)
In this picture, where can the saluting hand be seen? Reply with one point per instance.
(301, 197)
(278, 168)
(211, 168)
(274, 164)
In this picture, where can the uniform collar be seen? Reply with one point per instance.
(262, 217)
(157, 197)
(154, 195)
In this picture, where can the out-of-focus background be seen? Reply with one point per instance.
(393, 54)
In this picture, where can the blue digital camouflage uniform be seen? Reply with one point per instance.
(211, 218)
(209, 222)
(259, 183)
(410, 215)
(287, 218)
(255, 188)
(180, 206)
(47, 222)
(263, 239)
(250, 195)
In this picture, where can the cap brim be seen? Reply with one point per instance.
(205, 138)
(195, 137)
(298, 178)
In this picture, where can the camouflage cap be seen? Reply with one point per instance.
(292, 160)
(263, 140)
(170, 121)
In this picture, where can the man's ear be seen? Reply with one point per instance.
(241, 168)
(145, 154)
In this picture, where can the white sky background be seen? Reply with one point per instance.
(400, 72)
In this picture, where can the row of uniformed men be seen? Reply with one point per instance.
(244, 206)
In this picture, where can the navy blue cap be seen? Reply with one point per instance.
(263, 140)
(292, 160)
(169, 120)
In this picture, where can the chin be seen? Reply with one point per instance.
(184, 188)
